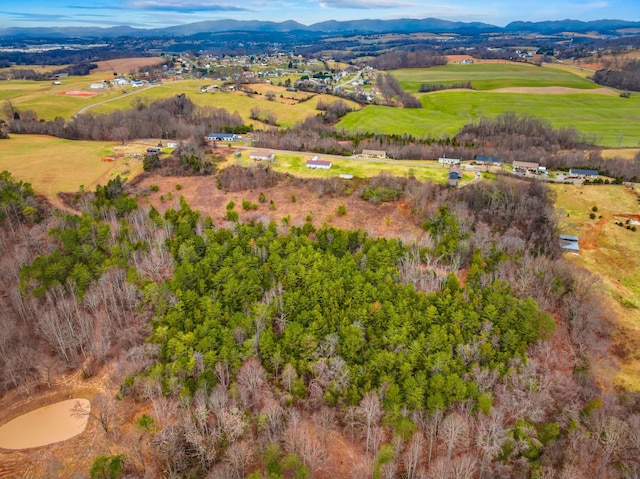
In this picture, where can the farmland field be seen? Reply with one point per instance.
(609, 121)
(491, 76)
(287, 113)
(54, 165)
(612, 253)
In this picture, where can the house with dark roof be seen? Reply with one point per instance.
(455, 175)
(577, 172)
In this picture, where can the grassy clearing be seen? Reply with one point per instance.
(612, 253)
(610, 121)
(296, 165)
(53, 165)
(489, 76)
(626, 153)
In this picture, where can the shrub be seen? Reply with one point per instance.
(342, 210)
(262, 198)
(154, 188)
(272, 205)
(592, 216)
(594, 209)
(178, 186)
(232, 215)
(293, 198)
(230, 205)
(247, 205)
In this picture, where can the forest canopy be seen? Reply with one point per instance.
(328, 306)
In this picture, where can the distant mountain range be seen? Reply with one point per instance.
(408, 25)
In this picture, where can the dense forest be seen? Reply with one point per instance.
(253, 347)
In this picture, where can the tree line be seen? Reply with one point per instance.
(407, 59)
(626, 77)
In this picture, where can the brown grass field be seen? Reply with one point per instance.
(612, 253)
(53, 165)
(626, 153)
(123, 66)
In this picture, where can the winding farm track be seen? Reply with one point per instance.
(137, 90)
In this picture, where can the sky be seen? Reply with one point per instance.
(164, 13)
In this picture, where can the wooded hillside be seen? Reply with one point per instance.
(252, 349)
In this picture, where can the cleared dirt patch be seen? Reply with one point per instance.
(391, 220)
(80, 93)
(46, 425)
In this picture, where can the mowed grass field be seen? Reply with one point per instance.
(53, 165)
(491, 76)
(295, 164)
(608, 120)
(612, 253)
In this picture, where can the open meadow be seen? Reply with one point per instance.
(609, 121)
(612, 253)
(295, 164)
(54, 165)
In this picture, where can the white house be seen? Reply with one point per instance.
(316, 163)
(449, 161)
(262, 156)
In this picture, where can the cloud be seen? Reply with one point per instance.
(365, 4)
(184, 7)
(37, 17)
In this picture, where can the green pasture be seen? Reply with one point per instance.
(286, 114)
(53, 165)
(490, 76)
(363, 168)
(607, 120)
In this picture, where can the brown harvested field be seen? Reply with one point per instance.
(126, 65)
(556, 90)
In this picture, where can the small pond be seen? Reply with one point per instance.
(49, 424)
